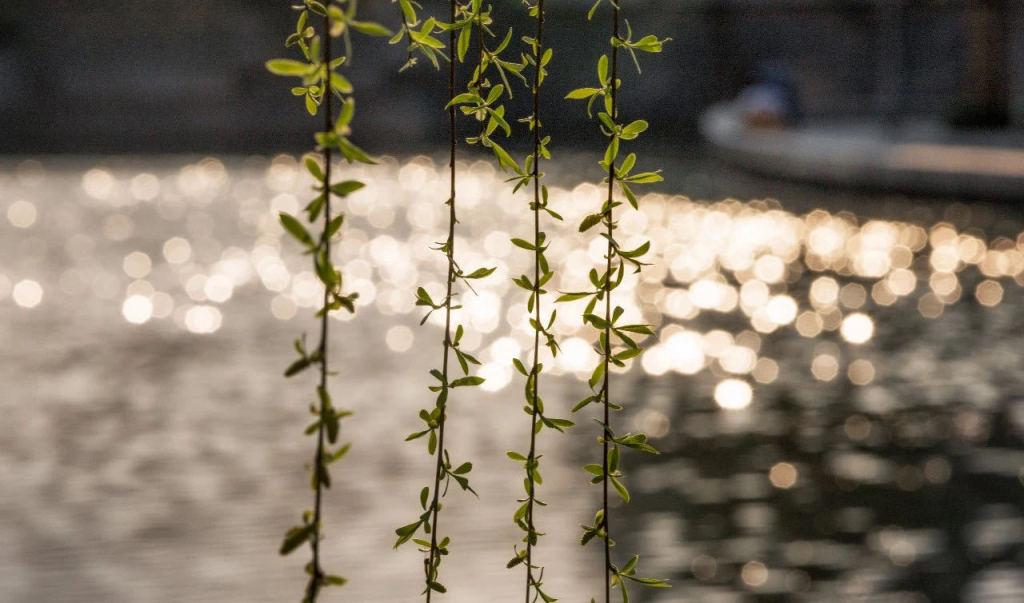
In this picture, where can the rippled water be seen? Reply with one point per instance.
(839, 399)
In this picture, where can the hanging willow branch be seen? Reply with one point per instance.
(617, 342)
(320, 85)
(538, 57)
(435, 420)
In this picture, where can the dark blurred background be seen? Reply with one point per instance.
(145, 76)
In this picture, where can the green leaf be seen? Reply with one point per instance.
(289, 67)
(584, 402)
(590, 221)
(334, 226)
(627, 165)
(620, 488)
(408, 12)
(437, 586)
(313, 167)
(596, 376)
(467, 381)
(602, 69)
(462, 99)
(612, 152)
(613, 459)
(649, 43)
(638, 252)
(463, 42)
(634, 129)
(297, 367)
(296, 229)
(295, 538)
(651, 582)
(406, 532)
(340, 84)
(369, 28)
(425, 39)
(627, 354)
(347, 187)
(641, 329)
(568, 297)
(353, 153)
(645, 178)
(348, 110)
(561, 424)
(480, 273)
(504, 159)
(582, 93)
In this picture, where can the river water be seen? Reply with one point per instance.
(835, 386)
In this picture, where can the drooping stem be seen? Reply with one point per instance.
(434, 556)
(317, 574)
(605, 387)
(619, 175)
(537, 242)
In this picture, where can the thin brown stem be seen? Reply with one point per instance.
(317, 574)
(450, 251)
(535, 393)
(605, 388)
(408, 29)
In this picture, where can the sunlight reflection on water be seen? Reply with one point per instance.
(744, 259)
(754, 306)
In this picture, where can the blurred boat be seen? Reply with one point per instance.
(924, 158)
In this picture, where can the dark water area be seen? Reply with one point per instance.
(835, 386)
(908, 489)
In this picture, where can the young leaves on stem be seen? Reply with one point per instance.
(422, 40)
(617, 342)
(538, 58)
(321, 86)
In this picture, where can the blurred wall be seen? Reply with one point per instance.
(149, 76)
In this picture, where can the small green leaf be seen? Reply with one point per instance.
(295, 538)
(620, 488)
(590, 221)
(296, 229)
(467, 381)
(582, 93)
(313, 167)
(370, 29)
(568, 297)
(297, 367)
(634, 129)
(480, 273)
(347, 187)
(289, 67)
